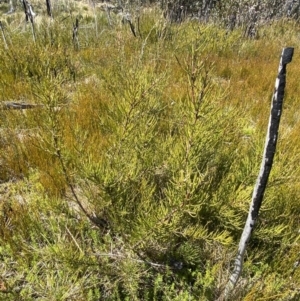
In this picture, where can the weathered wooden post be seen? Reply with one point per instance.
(127, 17)
(11, 8)
(49, 8)
(95, 17)
(75, 34)
(29, 15)
(3, 35)
(265, 169)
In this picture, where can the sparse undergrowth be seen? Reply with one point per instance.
(132, 177)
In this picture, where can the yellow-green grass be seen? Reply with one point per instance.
(160, 137)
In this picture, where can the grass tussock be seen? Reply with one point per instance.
(132, 176)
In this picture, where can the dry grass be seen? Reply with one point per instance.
(168, 173)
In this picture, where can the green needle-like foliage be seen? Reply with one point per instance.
(130, 177)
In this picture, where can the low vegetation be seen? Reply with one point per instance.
(130, 177)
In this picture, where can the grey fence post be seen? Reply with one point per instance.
(3, 35)
(49, 8)
(265, 169)
(75, 34)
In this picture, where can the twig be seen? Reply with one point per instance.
(73, 238)
(112, 255)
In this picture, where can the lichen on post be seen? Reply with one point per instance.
(265, 169)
